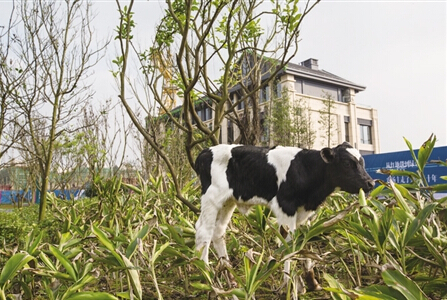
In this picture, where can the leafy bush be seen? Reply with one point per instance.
(137, 242)
(15, 224)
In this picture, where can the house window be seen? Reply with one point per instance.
(365, 131)
(298, 86)
(264, 129)
(207, 113)
(245, 67)
(347, 128)
(264, 94)
(365, 134)
(230, 132)
(241, 105)
(277, 88)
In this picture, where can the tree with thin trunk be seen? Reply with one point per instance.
(56, 46)
(12, 77)
(215, 46)
(289, 121)
(328, 120)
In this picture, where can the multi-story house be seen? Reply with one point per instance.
(307, 83)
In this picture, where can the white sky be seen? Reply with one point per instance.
(397, 49)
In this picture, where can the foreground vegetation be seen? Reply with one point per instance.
(133, 242)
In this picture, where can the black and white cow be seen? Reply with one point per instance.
(292, 182)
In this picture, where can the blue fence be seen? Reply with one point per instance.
(404, 161)
(13, 196)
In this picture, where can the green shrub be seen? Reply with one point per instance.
(16, 224)
(138, 242)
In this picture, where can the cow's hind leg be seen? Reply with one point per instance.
(211, 204)
(205, 226)
(223, 218)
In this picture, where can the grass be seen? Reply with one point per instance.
(138, 243)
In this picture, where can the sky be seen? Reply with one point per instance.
(397, 49)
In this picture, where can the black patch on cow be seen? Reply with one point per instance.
(202, 167)
(249, 174)
(305, 183)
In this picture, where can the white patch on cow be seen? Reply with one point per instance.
(281, 217)
(355, 153)
(292, 222)
(280, 158)
(212, 202)
(245, 206)
(221, 156)
(303, 215)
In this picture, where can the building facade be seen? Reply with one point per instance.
(305, 82)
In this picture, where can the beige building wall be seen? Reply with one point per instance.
(356, 116)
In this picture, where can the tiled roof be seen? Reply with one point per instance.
(321, 75)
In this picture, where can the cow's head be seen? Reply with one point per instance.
(347, 168)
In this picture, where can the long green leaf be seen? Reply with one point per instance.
(425, 151)
(439, 187)
(64, 261)
(410, 147)
(47, 261)
(398, 172)
(400, 199)
(15, 263)
(405, 193)
(27, 293)
(201, 286)
(377, 191)
(33, 242)
(382, 292)
(134, 277)
(403, 284)
(132, 187)
(357, 228)
(78, 285)
(92, 296)
(107, 243)
(156, 254)
(334, 284)
(133, 245)
(417, 223)
(51, 274)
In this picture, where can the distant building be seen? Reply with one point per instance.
(354, 123)
(13, 177)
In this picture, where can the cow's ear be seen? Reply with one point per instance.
(327, 154)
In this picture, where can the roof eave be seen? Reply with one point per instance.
(306, 75)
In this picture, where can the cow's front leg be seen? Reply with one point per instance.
(302, 217)
(287, 230)
(309, 276)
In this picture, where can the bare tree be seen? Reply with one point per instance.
(328, 120)
(56, 45)
(67, 160)
(12, 76)
(289, 121)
